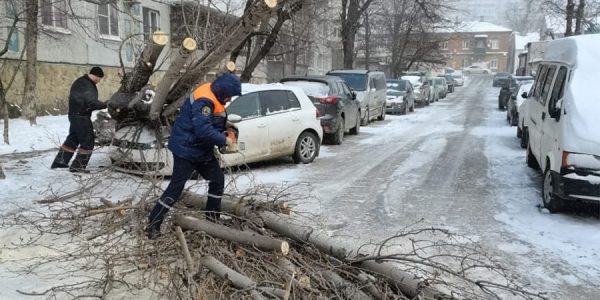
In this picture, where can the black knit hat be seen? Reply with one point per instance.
(97, 71)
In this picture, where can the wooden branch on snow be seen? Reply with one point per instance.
(408, 283)
(185, 250)
(238, 280)
(69, 195)
(230, 234)
(173, 73)
(350, 290)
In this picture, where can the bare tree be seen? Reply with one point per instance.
(579, 17)
(570, 12)
(29, 99)
(352, 11)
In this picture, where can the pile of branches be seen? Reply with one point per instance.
(259, 249)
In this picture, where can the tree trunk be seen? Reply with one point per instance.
(230, 234)
(173, 73)
(4, 112)
(29, 98)
(570, 12)
(350, 291)
(579, 17)
(134, 80)
(367, 41)
(237, 32)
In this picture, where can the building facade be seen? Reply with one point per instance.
(477, 43)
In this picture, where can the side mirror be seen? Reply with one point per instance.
(353, 93)
(524, 95)
(233, 118)
(513, 97)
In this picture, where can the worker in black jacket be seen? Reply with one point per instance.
(83, 99)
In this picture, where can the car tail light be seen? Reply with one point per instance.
(318, 114)
(328, 100)
(565, 160)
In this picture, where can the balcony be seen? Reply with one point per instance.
(480, 48)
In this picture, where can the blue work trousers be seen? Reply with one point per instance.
(182, 170)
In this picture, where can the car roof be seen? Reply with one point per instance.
(352, 71)
(250, 87)
(316, 78)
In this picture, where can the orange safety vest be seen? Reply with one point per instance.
(204, 91)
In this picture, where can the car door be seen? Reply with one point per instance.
(282, 110)
(551, 125)
(253, 132)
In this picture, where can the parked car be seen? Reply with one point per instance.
(499, 79)
(274, 121)
(476, 70)
(562, 121)
(509, 87)
(442, 85)
(458, 78)
(515, 100)
(335, 101)
(522, 111)
(451, 82)
(400, 88)
(421, 88)
(370, 91)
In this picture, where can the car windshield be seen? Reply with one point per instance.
(457, 76)
(396, 93)
(399, 85)
(498, 75)
(357, 82)
(310, 88)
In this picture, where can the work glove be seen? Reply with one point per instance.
(229, 142)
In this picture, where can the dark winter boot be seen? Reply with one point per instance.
(213, 209)
(62, 159)
(80, 162)
(157, 215)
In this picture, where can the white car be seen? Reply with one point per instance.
(476, 70)
(522, 112)
(276, 121)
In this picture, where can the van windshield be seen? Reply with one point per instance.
(357, 82)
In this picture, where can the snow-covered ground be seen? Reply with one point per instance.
(456, 164)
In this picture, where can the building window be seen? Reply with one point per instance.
(444, 45)
(13, 42)
(494, 44)
(151, 22)
(466, 44)
(108, 20)
(494, 63)
(54, 13)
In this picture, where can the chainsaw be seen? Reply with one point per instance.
(233, 134)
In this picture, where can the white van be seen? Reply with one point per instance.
(563, 121)
(371, 90)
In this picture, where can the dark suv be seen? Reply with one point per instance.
(336, 103)
(509, 86)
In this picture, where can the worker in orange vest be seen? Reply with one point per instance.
(197, 130)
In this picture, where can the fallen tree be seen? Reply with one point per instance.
(105, 238)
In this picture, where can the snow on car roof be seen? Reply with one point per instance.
(250, 87)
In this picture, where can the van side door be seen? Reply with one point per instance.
(540, 113)
(551, 130)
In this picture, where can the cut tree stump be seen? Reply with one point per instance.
(173, 73)
(230, 234)
(134, 81)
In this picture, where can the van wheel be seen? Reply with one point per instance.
(307, 148)
(530, 159)
(382, 115)
(338, 136)
(356, 129)
(365, 121)
(551, 202)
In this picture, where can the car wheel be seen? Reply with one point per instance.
(365, 121)
(338, 136)
(382, 115)
(524, 138)
(551, 202)
(530, 159)
(513, 120)
(519, 133)
(356, 129)
(307, 148)
(412, 107)
(405, 110)
(485, 72)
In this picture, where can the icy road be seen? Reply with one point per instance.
(455, 164)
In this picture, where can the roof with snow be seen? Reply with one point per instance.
(522, 40)
(476, 26)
